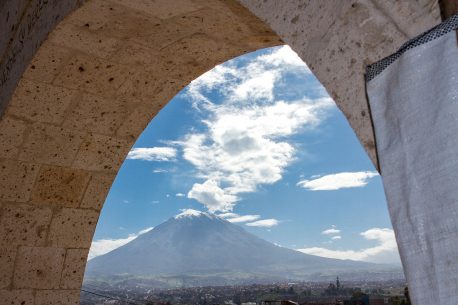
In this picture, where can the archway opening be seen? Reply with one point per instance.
(260, 145)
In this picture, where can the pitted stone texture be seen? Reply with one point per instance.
(97, 191)
(101, 152)
(48, 144)
(47, 62)
(36, 20)
(73, 228)
(74, 265)
(11, 136)
(337, 39)
(97, 114)
(60, 186)
(40, 102)
(57, 297)
(162, 9)
(81, 38)
(7, 257)
(22, 224)
(17, 297)
(93, 75)
(38, 267)
(16, 180)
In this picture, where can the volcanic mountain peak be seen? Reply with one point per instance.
(190, 213)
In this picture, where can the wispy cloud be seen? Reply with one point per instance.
(244, 218)
(338, 181)
(336, 237)
(227, 215)
(245, 143)
(159, 171)
(331, 231)
(103, 246)
(385, 251)
(264, 223)
(152, 154)
(180, 195)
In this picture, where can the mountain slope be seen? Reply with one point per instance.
(206, 245)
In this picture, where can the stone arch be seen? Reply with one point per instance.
(102, 75)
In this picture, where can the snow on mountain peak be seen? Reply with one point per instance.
(190, 213)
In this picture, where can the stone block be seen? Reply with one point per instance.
(59, 186)
(162, 34)
(16, 180)
(38, 267)
(82, 38)
(73, 228)
(57, 297)
(47, 62)
(97, 114)
(74, 267)
(162, 9)
(137, 120)
(48, 144)
(11, 136)
(22, 224)
(100, 152)
(133, 53)
(40, 102)
(7, 256)
(97, 191)
(17, 297)
(93, 75)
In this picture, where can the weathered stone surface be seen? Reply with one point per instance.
(60, 186)
(17, 297)
(38, 267)
(7, 257)
(57, 297)
(97, 114)
(40, 102)
(137, 121)
(74, 265)
(97, 191)
(73, 228)
(16, 180)
(81, 38)
(22, 224)
(93, 75)
(11, 136)
(161, 8)
(48, 144)
(100, 152)
(49, 59)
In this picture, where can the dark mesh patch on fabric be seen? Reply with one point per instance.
(445, 27)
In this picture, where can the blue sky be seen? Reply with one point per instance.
(258, 141)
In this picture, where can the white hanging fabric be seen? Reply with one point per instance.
(413, 96)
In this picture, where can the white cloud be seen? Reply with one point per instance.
(331, 231)
(265, 223)
(180, 195)
(385, 251)
(103, 246)
(227, 215)
(336, 237)
(244, 218)
(245, 141)
(338, 181)
(159, 171)
(212, 196)
(152, 154)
